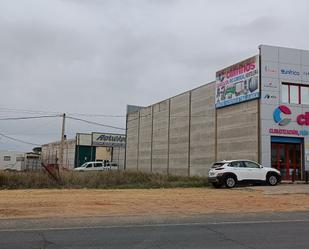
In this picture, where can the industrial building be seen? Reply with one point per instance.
(86, 147)
(256, 109)
(19, 161)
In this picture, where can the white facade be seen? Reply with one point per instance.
(11, 160)
(280, 68)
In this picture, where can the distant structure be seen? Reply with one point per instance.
(86, 147)
(20, 161)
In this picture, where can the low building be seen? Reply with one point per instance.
(256, 109)
(86, 147)
(14, 160)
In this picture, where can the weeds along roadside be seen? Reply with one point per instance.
(97, 180)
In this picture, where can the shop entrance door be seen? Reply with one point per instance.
(287, 158)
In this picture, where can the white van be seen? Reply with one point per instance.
(112, 165)
(97, 166)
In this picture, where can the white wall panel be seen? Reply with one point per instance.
(269, 53)
(305, 73)
(305, 57)
(290, 56)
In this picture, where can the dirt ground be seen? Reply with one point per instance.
(192, 201)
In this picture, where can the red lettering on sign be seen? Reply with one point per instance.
(303, 119)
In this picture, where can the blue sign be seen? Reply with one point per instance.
(238, 100)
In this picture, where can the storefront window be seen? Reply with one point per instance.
(294, 94)
(285, 93)
(305, 95)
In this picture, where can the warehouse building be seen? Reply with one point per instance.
(95, 146)
(256, 109)
(19, 161)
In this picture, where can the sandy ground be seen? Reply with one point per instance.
(192, 201)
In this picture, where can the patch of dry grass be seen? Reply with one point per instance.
(98, 180)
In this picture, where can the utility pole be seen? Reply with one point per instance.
(61, 164)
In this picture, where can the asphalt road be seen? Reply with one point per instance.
(267, 232)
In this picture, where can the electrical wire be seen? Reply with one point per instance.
(93, 115)
(27, 111)
(95, 123)
(96, 115)
(18, 140)
(33, 117)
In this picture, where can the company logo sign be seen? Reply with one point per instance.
(279, 112)
(267, 96)
(269, 69)
(269, 84)
(301, 119)
(282, 109)
(288, 132)
(111, 138)
(108, 139)
(290, 72)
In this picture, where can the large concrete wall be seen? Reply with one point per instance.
(175, 136)
(179, 134)
(185, 134)
(160, 145)
(202, 141)
(132, 141)
(145, 135)
(237, 131)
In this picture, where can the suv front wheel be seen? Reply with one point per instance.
(272, 180)
(230, 181)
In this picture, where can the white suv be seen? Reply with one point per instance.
(229, 173)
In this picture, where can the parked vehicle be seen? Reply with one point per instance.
(112, 165)
(229, 173)
(97, 166)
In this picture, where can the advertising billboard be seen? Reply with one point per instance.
(108, 139)
(238, 83)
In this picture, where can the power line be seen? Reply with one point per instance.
(95, 123)
(33, 117)
(18, 140)
(97, 115)
(27, 111)
(58, 113)
(91, 114)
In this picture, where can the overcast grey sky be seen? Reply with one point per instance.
(97, 56)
